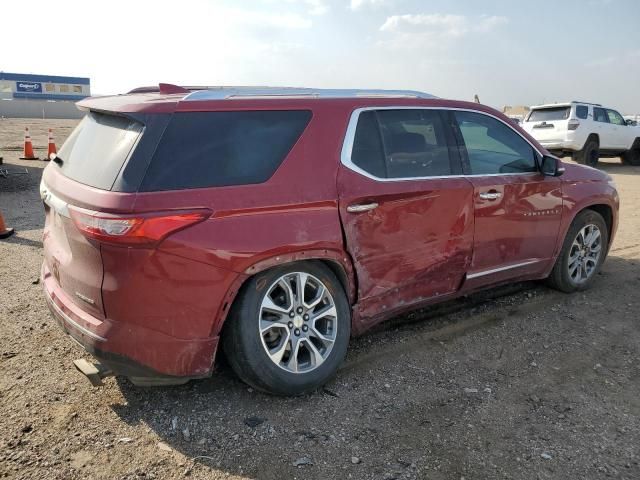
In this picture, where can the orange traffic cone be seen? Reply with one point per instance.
(52, 146)
(4, 231)
(28, 147)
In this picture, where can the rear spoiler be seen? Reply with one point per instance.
(166, 89)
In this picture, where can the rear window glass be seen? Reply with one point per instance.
(212, 149)
(547, 114)
(97, 149)
(582, 111)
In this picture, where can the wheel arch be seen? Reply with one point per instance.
(606, 212)
(604, 209)
(592, 136)
(338, 262)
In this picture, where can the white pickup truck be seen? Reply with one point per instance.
(586, 131)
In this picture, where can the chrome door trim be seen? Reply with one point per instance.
(491, 271)
(347, 145)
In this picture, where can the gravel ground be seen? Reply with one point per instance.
(521, 382)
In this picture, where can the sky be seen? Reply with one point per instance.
(508, 52)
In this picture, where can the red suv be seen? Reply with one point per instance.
(276, 223)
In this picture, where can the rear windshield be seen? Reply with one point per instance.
(97, 149)
(211, 149)
(546, 114)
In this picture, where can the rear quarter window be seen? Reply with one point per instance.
(582, 111)
(212, 149)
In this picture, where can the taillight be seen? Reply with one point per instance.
(143, 230)
(573, 124)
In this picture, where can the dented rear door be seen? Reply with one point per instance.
(410, 237)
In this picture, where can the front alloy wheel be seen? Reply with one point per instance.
(585, 254)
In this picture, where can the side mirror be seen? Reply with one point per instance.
(551, 166)
(629, 123)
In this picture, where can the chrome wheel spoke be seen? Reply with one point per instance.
(301, 283)
(325, 339)
(591, 261)
(269, 305)
(573, 268)
(316, 356)
(292, 364)
(318, 298)
(278, 352)
(266, 325)
(327, 311)
(285, 285)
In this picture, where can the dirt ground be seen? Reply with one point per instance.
(523, 382)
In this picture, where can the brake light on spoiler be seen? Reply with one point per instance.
(138, 230)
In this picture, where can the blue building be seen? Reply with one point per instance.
(41, 96)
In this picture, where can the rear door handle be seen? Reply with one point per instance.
(490, 195)
(363, 207)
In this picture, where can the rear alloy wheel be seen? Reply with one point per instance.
(590, 153)
(289, 330)
(298, 322)
(583, 252)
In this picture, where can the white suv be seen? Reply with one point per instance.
(586, 131)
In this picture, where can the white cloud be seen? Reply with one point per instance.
(313, 7)
(440, 24)
(358, 4)
(317, 7)
(267, 20)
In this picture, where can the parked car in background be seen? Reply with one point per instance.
(277, 223)
(586, 131)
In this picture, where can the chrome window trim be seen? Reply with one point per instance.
(347, 145)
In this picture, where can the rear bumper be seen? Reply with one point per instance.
(127, 349)
(565, 146)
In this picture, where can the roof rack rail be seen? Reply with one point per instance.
(586, 103)
(238, 93)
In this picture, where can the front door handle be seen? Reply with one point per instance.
(490, 195)
(363, 207)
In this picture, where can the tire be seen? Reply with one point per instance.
(563, 276)
(246, 346)
(589, 154)
(632, 156)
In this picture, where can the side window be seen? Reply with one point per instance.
(214, 149)
(403, 143)
(582, 111)
(415, 143)
(615, 117)
(600, 115)
(493, 147)
(367, 152)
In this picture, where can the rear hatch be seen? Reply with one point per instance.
(82, 176)
(548, 124)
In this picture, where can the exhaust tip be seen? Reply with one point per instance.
(94, 372)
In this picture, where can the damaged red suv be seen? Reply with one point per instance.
(274, 224)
